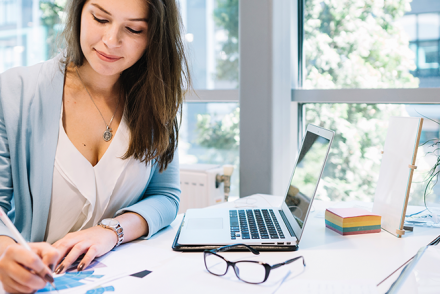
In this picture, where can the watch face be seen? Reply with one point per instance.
(110, 222)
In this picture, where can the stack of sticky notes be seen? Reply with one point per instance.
(352, 221)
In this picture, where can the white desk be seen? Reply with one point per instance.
(328, 255)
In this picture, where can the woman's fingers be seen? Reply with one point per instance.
(49, 254)
(88, 258)
(64, 246)
(24, 277)
(12, 286)
(16, 265)
(25, 262)
(73, 255)
(24, 271)
(94, 241)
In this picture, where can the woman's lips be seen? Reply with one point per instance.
(105, 57)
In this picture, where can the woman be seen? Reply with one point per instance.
(88, 153)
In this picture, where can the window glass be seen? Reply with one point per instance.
(371, 44)
(210, 134)
(27, 31)
(8, 15)
(210, 131)
(352, 169)
(212, 38)
(427, 58)
(428, 24)
(413, 47)
(408, 24)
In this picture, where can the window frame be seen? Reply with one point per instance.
(355, 95)
(300, 96)
(266, 79)
(213, 96)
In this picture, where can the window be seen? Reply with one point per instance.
(370, 45)
(212, 39)
(210, 126)
(25, 32)
(210, 134)
(359, 61)
(353, 166)
(9, 13)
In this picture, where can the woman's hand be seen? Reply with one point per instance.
(92, 242)
(16, 264)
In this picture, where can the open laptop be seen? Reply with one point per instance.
(267, 227)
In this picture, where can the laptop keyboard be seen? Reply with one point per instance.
(254, 224)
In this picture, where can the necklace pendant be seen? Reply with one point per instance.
(108, 134)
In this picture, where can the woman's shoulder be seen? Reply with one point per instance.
(22, 75)
(25, 80)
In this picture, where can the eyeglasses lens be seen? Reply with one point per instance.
(215, 265)
(250, 272)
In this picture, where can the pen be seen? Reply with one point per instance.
(47, 277)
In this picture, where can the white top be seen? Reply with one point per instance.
(83, 194)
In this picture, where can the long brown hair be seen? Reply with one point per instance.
(154, 86)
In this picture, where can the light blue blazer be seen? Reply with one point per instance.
(30, 108)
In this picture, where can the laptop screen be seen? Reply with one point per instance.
(305, 179)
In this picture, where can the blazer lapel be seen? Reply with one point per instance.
(43, 128)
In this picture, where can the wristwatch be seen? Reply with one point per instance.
(114, 225)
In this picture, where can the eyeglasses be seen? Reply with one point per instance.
(249, 271)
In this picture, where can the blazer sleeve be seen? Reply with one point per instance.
(6, 188)
(160, 202)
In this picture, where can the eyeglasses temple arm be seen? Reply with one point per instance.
(287, 262)
(228, 247)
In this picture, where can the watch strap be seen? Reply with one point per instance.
(119, 231)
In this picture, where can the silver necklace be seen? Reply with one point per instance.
(108, 132)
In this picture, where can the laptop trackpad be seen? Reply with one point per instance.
(205, 224)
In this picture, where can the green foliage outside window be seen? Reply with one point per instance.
(348, 44)
(52, 13)
(226, 18)
(221, 136)
(352, 169)
(355, 44)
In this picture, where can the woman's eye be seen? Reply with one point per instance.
(133, 31)
(100, 20)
